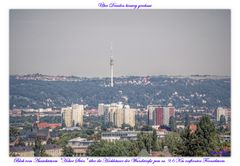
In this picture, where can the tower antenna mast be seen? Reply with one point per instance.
(111, 63)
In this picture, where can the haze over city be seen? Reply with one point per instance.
(147, 42)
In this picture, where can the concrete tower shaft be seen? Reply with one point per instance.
(111, 63)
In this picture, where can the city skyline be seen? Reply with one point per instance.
(76, 42)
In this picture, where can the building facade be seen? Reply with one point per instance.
(158, 113)
(67, 116)
(222, 111)
(53, 150)
(73, 116)
(129, 116)
(151, 110)
(116, 115)
(80, 145)
(101, 109)
(161, 115)
(77, 114)
(21, 151)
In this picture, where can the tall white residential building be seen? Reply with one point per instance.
(118, 117)
(117, 114)
(77, 114)
(101, 109)
(129, 116)
(67, 116)
(111, 112)
(106, 113)
(166, 116)
(73, 116)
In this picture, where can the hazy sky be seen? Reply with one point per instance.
(145, 42)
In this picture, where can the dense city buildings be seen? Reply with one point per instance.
(75, 129)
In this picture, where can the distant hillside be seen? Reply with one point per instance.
(47, 91)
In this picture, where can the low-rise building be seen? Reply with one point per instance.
(29, 136)
(80, 145)
(42, 125)
(53, 150)
(43, 135)
(21, 151)
(121, 135)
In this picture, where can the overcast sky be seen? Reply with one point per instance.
(145, 42)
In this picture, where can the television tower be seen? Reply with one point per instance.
(111, 63)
